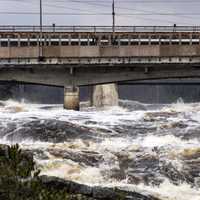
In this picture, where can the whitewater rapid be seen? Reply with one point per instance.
(147, 148)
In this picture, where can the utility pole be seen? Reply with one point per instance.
(41, 35)
(113, 16)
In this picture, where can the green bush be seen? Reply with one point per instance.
(19, 179)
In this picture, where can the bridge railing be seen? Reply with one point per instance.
(100, 29)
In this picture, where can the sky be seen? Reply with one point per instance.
(98, 12)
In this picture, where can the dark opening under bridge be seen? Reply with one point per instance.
(91, 55)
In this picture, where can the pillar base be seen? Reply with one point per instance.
(71, 98)
(105, 96)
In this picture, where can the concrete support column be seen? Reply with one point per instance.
(105, 96)
(71, 98)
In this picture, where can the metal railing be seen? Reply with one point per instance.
(94, 29)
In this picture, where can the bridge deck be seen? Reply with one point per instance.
(11, 36)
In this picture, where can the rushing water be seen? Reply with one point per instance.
(148, 148)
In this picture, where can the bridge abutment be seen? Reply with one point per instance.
(105, 95)
(71, 98)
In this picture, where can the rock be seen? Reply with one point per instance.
(53, 131)
(132, 105)
(88, 158)
(97, 192)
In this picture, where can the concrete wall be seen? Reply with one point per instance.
(102, 51)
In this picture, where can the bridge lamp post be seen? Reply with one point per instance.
(113, 16)
(40, 41)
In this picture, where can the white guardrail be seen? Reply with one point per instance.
(91, 29)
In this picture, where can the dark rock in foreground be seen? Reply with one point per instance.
(92, 192)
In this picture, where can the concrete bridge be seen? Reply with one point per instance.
(85, 55)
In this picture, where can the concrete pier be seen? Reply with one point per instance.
(71, 98)
(105, 96)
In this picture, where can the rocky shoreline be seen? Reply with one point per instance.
(19, 179)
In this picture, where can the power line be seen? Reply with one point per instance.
(51, 13)
(119, 14)
(137, 1)
(124, 8)
(105, 4)
(120, 2)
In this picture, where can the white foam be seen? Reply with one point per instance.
(110, 145)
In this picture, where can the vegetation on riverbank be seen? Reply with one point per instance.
(19, 178)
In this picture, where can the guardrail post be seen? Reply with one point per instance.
(170, 39)
(18, 40)
(139, 39)
(149, 40)
(69, 38)
(119, 39)
(60, 40)
(79, 39)
(190, 38)
(8, 41)
(88, 39)
(179, 36)
(129, 39)
(28, 42)
(54, 27)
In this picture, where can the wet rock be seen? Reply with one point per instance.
(143, 167)
(86, 158)
(174, 175)
(135, 130)
(53, 131)
(192, 133)
(180, 125)
(132, 105)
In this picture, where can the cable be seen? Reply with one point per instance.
(51, 13)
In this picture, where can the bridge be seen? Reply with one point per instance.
(73, 56)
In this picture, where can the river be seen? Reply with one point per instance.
(143, 147)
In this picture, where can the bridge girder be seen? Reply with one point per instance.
(86, 74)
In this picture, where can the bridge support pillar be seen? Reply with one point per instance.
(71, 98)
(105, 96)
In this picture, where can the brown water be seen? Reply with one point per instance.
(148, 148)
